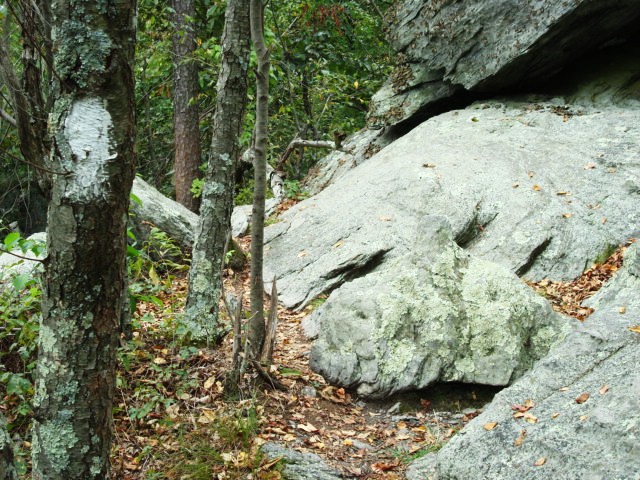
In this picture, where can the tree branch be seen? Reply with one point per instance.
(8, 118)
(21, 257)
(299, 142)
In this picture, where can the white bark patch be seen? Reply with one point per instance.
(87, 129)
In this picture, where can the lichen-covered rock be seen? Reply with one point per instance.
(586, 397)
(301, 466)
(449, 47)
(436, 314)
(539, 187)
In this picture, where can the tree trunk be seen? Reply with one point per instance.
(7, 467)
(185, 106)
(28, 101)
(256, 331)
(201, 315)
(92, 123)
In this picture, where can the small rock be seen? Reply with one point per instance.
(309, 391)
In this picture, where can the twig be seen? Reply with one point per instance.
(2, 250)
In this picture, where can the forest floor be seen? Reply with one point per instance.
(174, 422)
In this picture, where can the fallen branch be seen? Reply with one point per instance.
(299, 142)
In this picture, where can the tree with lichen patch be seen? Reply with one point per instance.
(213, 232)
(92, 133)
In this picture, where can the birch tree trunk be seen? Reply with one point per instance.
(256, 332)
(201, 314)
(186, 128)
(92, 126)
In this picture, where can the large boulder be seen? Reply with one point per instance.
(448, 48)
(436, 314)
(585, 395)
(542, 188)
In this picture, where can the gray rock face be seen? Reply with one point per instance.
(435, 314)
(488, 45)
(301, 466)
(596, 439)
(541, 188)
(422, 469)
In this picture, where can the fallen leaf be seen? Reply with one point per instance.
(521, 437)
(583, 417)
(604, 220)
(539, 462)
(622, 309)
(339, 243)
(531, 174)
(567, 215)
(490, 425)
(385, 218)
(383, 467)
(583, 397)
(515, 185)
(303, 253)
(429, 165)
(612, 170)
(159, 361)
(555, 415)
(347, 442)
(307, 427)
(604, 389)
(530, 418)
(209, 382)
(589, 166)
(564, 389)
(528, 405)
(562, 192)
(635, 329)
(536, 188)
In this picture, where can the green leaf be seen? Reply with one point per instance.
(18, 385)
(21, 281)
(135, 199)
(11, 240)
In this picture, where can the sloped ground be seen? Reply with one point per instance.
(173, 421)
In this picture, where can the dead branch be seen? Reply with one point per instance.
(266, 356)
(299, 142)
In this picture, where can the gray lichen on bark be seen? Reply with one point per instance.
(201, 315)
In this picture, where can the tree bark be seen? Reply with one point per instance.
(92, 125)
(185, 106)
(201, 314)
(256, 329)
(29, 107)
(7, 467)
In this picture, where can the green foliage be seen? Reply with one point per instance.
(294, 190)
(152, 267)
(328, 58)
(19, 321)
